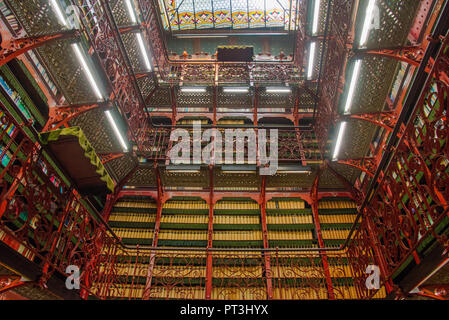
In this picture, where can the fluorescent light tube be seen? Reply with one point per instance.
(116, 130)
(91, 79)
(144, 51)
(311, 60)
(316, 16)
(131, 13)
(193, 89)
(278, 90)
(339, 140)
(355, 76)
(367, 23)
(236, 89)
(59, 13)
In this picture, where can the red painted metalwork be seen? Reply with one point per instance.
(412, 55)
(99, 25)
(16, 47)
(10, 282)
(210, 235)
(113, 197)
(339, 35)
(61, 115)
(106, 157)
(356, 194)
(412, 197)
(41, 212)
(316, 221)
(367, 165)
(418, 27)
(434, 291)
(266, 245)
(201, 72)
(160, 203)
(386, 120)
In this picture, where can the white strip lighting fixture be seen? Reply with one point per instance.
(59, 14)
(193, 89)
(116, 130)
(311, 60)
(316, 16)
(312, 48)
(130, 8)
(355, 76)
(143, 49)
(278, 90)
(89, 75)
(339, 140)
(367, 22)
(236, 89)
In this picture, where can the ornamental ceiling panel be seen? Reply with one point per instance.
(394, 23)
(144, 176)
(173, 179)
(160, 98)
(236, 180)
(97, 130)
(68, 74)
(132, 49)
(120, 13)
(36, 16)
(296, 181)
(120, 167)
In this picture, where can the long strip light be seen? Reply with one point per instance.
(355, 76)
(311, 60)
(116, 130)
(236, 89)
(278, 90)
(316, 15)
(193, 89)
(59, 14)
(367, 22)
(89, 75)
(312, 48)
(143, 49)
(131, 13)
(339, 140)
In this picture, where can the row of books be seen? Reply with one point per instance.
(286, 204)
(290, 235)
(289, 219)
(337, 218)
(182, 235)
(202, 219)
(336, 205)
(134, 233)
(236, 205)
(135, 204)
(132, 217)
(236, 219)
(185, 205)
(335, 234)
(252, 235)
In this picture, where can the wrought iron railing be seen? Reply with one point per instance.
(411, 195)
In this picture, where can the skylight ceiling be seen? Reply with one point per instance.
(181, 15)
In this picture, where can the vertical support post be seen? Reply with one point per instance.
(159, 203)
(266, 255)
(298, 134)
(214, 119)
(210, 233)
(316, 221)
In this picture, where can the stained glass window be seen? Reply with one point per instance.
(234, 14)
